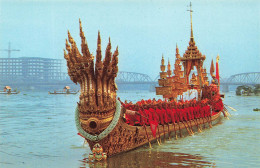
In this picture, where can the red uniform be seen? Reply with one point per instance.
(168, 112)
(179, 115)
(146, 112)
(160, 114)
(165, 116)
(184, 114)
(173, 115)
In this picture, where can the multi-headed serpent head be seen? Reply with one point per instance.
(96, 77)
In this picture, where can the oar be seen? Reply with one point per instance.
(176, 137)
(227, 111)
(224, 111)
(189, 121)
(187, 128)
(232, 108)
(196, 122)
(169, 133)
(147, 135)
(159, 136)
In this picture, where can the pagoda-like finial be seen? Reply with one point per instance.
(169, 64)
(169, 72)
(162, 61)
(191, 33)
(177, 49)
(99, 40)
(162, 64)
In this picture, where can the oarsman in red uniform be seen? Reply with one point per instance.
(167, 113)
(140, 111)
(185, 112)
(147, 114)
(161, 115)
(208, 113)
(158, 111)
(178, 117)
(149, 101)
(190, 115)
(173, 116)
(133, 114)
(202, 111)
(193, 109)
(154, 102)
(134, 117)
(130, 119)
(153, 113)
(183, 116)
(199, 114)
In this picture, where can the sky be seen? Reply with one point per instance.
(143, 30)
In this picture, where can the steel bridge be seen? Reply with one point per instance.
(124, 77)
(251, 78)
(134, 80)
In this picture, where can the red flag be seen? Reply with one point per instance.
(217, 72)
(153, 125)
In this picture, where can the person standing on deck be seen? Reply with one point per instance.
(193, 93)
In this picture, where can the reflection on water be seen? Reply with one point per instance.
(151, 158)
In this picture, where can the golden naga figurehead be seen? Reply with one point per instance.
(96, 78)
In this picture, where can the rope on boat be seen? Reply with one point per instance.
(105, 132)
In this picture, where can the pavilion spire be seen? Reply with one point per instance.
(191, 33)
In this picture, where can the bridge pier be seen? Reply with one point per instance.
(225, 88)
(152, 87)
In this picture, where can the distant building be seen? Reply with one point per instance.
(27, 69)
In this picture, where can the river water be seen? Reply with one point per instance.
(37, 130)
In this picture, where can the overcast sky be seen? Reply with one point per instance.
(143, 30)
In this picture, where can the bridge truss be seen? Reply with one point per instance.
(250, 78)
(132, 77)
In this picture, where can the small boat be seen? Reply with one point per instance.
(8, 90)
(244, 91)
(66, 90)
(111, 126)
(256, 109)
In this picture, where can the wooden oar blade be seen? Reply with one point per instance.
(230, 107)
